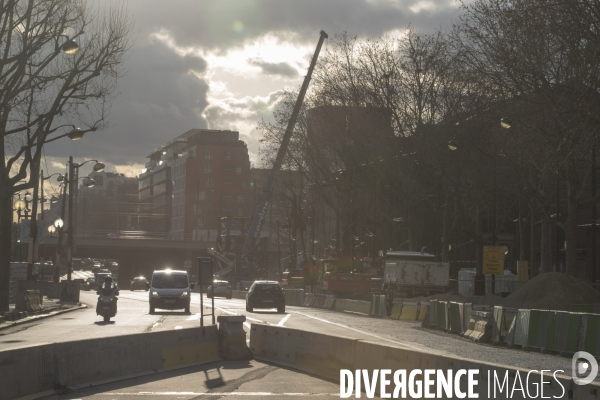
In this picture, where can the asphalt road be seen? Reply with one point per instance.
(133, 317)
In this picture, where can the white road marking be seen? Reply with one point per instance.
(284, 319)
(178, 327)
(220, 394)
(363, 332)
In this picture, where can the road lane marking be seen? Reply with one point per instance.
(363, 332)
(179, 327)
(284, 319)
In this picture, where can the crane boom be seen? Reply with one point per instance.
(265, 200)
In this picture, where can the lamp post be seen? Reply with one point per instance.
(479, 288)
(74, 170)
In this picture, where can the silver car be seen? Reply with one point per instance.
(139, 283)
(220, 289)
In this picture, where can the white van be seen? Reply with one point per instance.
(170, 290)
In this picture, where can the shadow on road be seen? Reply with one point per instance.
(105, 323)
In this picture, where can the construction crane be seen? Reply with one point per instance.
(265, 200)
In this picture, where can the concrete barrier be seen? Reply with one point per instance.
(518, 331)
(309, 299)
(319, 301)
(480, 326)
(36, 369)
(377, 306)
(410, 311)
(423, 311)
(503, 318)
(542, 330)
(396, 310)
(239, 294)
(329, 302)
(432, 314)
(363, 307)
(232, 338)
(325, 355)
(294, 297)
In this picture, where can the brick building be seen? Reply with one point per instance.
(206, 177)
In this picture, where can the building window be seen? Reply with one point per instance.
(207, 168)
(244, 184)
(201, 195)
(197, 209)
(210, 182)
(208, 154)
(238, 170)
(228, 155)
(227, 183)
(240, 212)
(200, 223)
(240, 199)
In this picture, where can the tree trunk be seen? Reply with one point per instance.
(445, 230)
(533, 238)
(545, 260)
(571, 225)
(6, 214)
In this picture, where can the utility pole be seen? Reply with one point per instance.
(61, 230)
(71, 225)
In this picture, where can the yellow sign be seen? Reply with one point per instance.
(493, 260)
(523, 270)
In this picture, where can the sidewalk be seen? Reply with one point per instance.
(50, 308)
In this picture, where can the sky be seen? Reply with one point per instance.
(223, 64)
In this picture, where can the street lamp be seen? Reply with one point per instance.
(59, 223)
(76, 133)
(70, 47)
(51, 229)
(88, 182)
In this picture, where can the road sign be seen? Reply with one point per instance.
(493, 260)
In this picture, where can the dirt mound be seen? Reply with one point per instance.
(552, 291)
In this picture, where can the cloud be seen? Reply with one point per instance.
(162, 95)
(243, 115)
(281, 68)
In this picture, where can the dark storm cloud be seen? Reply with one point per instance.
(212, 24)
(159, 98)
(282, 69)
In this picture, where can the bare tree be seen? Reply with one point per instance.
(46, 90)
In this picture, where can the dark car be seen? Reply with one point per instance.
(220, 288)
(265, 294)
(139, 283)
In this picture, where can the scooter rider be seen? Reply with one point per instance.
(108, 288)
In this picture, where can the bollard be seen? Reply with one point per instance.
(232, 338)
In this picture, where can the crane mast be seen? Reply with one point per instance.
(265, 200)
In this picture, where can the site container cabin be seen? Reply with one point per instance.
(411, 273)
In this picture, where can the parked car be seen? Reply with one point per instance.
(139, 283)
(219, 289)
(265, 294)
(170, 290)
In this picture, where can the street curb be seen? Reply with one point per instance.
(41, 316)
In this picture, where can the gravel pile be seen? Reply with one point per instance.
(552, 291)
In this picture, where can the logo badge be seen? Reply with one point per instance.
(584, 363)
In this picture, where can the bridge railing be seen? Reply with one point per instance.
(120, 234)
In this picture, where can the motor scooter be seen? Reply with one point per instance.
(107, 303)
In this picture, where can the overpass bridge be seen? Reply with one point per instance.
(137, 255)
